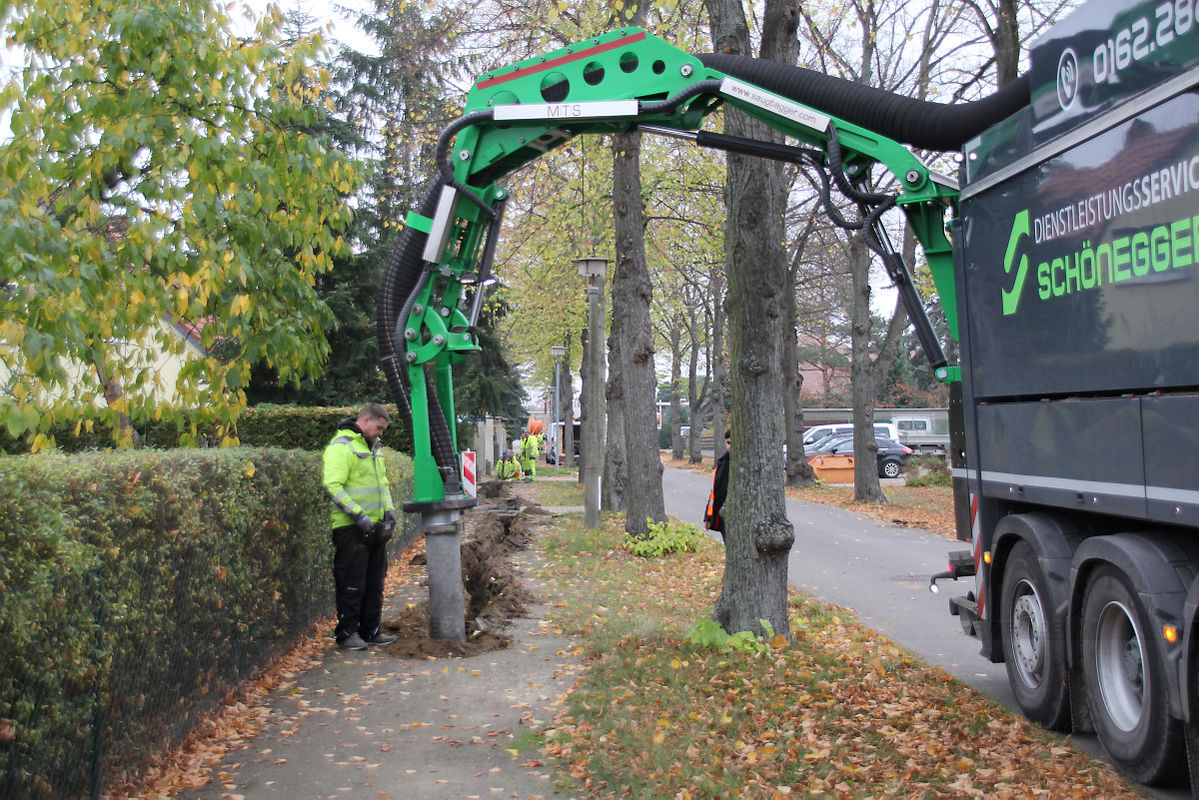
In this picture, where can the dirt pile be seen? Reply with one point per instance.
(499, 526)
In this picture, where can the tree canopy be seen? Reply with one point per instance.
(161, 172)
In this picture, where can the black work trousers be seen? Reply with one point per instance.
(358, 572)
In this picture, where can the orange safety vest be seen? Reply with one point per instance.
(711, 515)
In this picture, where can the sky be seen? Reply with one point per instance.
(337, 13)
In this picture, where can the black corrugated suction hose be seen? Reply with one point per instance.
(401, 278)
(919, 123)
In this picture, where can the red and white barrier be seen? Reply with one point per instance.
(469, 482)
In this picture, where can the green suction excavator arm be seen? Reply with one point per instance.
(621, 81)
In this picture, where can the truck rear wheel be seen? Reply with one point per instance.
(1034, 642)
(1126, 687)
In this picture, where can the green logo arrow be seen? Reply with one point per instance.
(1011, 299)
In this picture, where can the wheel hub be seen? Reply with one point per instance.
(1132, 664)
(1120, 666)
(1028, 632)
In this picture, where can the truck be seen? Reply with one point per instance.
(1063, 255)
(926, 434)
(1076, 472)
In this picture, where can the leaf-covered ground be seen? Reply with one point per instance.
(838, 712)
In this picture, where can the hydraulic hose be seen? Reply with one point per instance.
(922, 124)
(441, 156)
(401, 280)
(668, 105)
(400, 276)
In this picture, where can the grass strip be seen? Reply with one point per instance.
(839, 712)
(556, 493)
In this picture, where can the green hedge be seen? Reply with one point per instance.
(309, 428)
(138, 588)
(288, 427)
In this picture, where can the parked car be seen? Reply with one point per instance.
(891, 454)
(825, 444)
(818, 433)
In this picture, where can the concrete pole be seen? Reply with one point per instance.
(443, 547)
(557, 402)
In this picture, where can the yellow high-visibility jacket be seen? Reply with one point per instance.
(355, 477)
(528, 447)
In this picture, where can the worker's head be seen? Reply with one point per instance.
(728, 438)
(372, 421)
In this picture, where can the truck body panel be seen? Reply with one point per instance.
(1097, 289)
(1103, 54)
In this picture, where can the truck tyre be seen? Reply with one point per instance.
(1126, 686)
(1034, 642)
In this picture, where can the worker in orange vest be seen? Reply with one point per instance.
(713, 520)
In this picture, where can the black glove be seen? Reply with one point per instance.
(364, 524)
(385, 527)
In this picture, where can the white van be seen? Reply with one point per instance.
(818, 433)
(924, 434)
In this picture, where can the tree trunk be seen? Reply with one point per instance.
(613, 493)
(566, 406)
(632, 293)
(584, 410)
(866, 488)
(676, 402)
(1006, 42)
(113, 392)
(796, 467)
(695, 403)
(720, 380)
(889, 347)
(759, 535)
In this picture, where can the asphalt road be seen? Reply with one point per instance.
(880, 572)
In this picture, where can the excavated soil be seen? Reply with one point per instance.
(499, 526)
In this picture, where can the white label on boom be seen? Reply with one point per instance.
(774, 104)
(567, 111)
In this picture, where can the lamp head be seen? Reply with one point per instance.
(591, 267)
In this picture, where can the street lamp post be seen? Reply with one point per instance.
(593, 269)
(557, 351)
